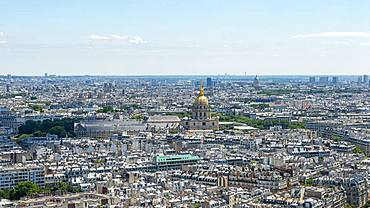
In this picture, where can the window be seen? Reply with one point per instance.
(204, 123)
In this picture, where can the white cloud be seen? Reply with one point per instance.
(99, 37)
(366, 44)
(334, 34)
(134, 40)
(119, 37)
(2, 38)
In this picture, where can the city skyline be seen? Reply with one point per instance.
(184, 38)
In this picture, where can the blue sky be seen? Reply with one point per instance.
(136, 37)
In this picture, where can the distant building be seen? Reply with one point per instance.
(43, 140)
(8, 87)
(357, 192)
(12, 175)
(359, 79)
(312, 79)
(106, 128)
(171, 162)
(356, 188)
(324, 80)
(335, 80)
(256, 83)
(9, 119)
(209, 82)
(365, 79)
(159, 122)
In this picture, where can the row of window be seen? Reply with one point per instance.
(203, 123)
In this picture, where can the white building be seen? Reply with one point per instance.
(10, 176)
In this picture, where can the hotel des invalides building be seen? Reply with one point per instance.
(200, 115)
(200, 120)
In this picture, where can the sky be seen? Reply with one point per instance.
(185, 37)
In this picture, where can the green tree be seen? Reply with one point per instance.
(358, 150)
(336, 138)
(38, 108)
(58, 130)
(38, 134)
(23, 189)
(5, 193)
(106, 109)
(66, 187)
(29, 127)
(45, 126)
(308, 182)
(197, 205)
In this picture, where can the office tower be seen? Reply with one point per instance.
(324, 79)
(8, 87)
(365, 79)
(335, 80)
(312, 79)
(197, 83)
(209, 82)
(359, 79)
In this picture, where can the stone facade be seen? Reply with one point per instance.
(201, 115)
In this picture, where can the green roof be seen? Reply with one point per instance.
(175, 158)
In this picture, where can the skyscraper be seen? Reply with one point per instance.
(335, 80)
(365, 79)
(312, 79)
(324, 79)
(209, 82)
(359, 79)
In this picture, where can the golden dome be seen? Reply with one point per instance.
(201, 99)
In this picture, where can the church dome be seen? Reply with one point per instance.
(201, 99)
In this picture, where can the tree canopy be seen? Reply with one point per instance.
(263, 124)
(22, 189)
(63, 127)
(27, 188)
